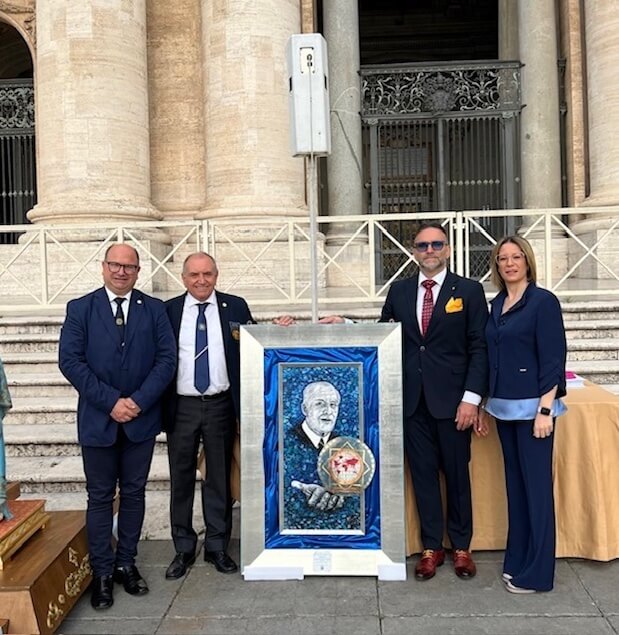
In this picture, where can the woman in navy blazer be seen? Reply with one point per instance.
(526, 354)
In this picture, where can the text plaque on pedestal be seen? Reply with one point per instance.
(321, 451)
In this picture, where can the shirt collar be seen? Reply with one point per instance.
(438, 278)
(111, 296)
(312, 436)
(191, 301)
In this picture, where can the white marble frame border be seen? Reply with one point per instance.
(259, 563)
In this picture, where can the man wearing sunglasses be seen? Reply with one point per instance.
(118, 350)
(443, 318)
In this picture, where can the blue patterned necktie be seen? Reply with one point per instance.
(201, 371)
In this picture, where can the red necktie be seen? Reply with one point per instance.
(428, 305)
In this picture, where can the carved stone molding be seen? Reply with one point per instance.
(25, 12)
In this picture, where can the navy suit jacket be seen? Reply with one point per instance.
(526, 346)
(92, 358)
(452, 357)
(233, 313)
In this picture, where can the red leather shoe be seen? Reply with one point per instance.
(463, 563)
(429, 560)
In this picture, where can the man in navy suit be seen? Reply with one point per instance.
(443, 320)
(203, 405)
(118, 350)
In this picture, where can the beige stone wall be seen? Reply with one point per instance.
(176, 107)
(249, 169)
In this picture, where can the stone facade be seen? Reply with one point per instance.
(147, 109)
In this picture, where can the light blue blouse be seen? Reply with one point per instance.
(520, 409)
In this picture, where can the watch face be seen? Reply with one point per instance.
(544, 411)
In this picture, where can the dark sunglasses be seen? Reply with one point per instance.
(437, 245)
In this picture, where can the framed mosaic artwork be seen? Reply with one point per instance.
(321, 451)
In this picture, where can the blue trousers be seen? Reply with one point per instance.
(530, 551)
(126, 465)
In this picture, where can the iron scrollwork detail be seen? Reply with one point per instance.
(16, 107)
(411, 89)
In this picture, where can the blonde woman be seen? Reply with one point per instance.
(526, 354)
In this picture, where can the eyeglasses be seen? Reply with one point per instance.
(516, 259)
(437, 245)
(115, 267)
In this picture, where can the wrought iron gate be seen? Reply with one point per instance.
(441, 137)
(17, 153)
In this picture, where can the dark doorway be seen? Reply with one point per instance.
(17, 138)
(394, 32)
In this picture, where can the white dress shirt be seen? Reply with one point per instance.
(114, 305)
(218, 373)
(421, 291)
(312, 436)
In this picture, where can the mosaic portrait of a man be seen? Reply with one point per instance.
(318, 403)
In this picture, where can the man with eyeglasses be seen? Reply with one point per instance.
(118, 350)
(443, 318)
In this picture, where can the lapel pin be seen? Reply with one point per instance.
(224, 305)
(139, 302)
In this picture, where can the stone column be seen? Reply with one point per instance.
(92, 112)
(602, 53)
(176, 107)
(540, 146)
(344, 166)
(249, 169)
(344, 172)
(508, 30)
(601, 23)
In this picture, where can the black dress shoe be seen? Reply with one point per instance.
(222, 561)
(102, 596)
(178, 567)
(131, 579)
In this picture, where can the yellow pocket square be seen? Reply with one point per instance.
(454, 305)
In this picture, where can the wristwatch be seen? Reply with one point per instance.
(544, 411)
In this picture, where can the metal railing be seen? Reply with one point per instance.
(267, 261)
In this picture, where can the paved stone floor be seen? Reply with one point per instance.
(585, 600)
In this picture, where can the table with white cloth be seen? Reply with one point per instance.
(586, 482)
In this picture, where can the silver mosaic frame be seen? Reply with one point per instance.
(259, 563)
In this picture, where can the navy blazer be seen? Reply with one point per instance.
(452, 357)
(91, 356)
(526, 346)
(233, 313)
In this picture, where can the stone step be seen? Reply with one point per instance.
(30, 324)
(42, 410)
(51, 440)
(592, 349)
(51, 384)
(592, 329)
(597, 371)
(156, 519)
(590, 310)
(54, 474)
(30, 362)
(29, 342)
